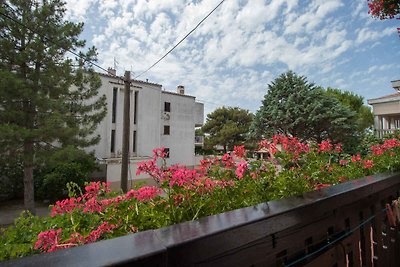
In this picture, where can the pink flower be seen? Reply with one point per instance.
(319, 186)
(239, 151)
(241, 167)
(325, 146)
(96, 234)
(368, 164)
(227, 160)
(159, 153)
(355, 158)
(144, 193)
(66, 206)
(338, 148)
(377, 150)
(48, 240)
(95, 189)
(343, 162)
(92, 205)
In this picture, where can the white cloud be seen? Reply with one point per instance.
(368, 35)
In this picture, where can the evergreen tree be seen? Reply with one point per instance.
(46, 98)
(293, 106)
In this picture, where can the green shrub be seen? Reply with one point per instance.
(65, 165)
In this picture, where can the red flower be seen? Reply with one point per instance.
(48, 240)
(319, 186)
(239, 151)
(241, 167)
(355, 158)
(368, 164)
(325, 146)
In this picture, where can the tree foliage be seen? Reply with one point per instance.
(46, 98)
(295, 107)
(227, 127)
(364, 118)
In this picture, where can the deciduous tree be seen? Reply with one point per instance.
(227, 127)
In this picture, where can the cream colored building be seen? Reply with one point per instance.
(386, 111)
(158, 118)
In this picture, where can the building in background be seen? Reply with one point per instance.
(157, 119)
(386, 111)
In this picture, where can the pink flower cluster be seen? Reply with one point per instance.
(290, 145)
(96, 188)
(48, 240)
(105, 227)
(239, 151)
(387, 145)
(93, 204)
(325, 146)
(144, 193)
(241, 167)
(51, 240)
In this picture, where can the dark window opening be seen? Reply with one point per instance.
(112, 141)
(167, 106)
(114, 104)
(166, 129)
(135, 107)
(166, 150)
(134, 142)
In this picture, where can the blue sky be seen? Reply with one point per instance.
(232, 57)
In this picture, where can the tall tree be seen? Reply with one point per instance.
(295, 107)
(46, 98)
(364, 118)
(227, 127)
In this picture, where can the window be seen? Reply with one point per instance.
(112, 141)
(167, 106)
(135, 107)
(134, 142)
(166, 129)
(114, 104)
(166, 150)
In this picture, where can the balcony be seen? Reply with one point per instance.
(380, 133)
(342, 225)
(199, 141)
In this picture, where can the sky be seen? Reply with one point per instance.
(244, 45)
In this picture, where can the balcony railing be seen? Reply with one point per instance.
(380, 133)
(342, 225)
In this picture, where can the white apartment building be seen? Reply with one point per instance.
(158, 118)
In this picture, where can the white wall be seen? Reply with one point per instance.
(181, 122)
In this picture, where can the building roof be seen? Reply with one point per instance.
(173, 93)
(386, 98)
(133, 80)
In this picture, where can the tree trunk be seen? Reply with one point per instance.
(29, 193)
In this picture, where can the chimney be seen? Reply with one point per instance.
(396, 85)
(112, 71)
(180, 89)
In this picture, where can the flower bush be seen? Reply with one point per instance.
(219, 184)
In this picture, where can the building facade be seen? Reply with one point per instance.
(158, 118)
(386, 111)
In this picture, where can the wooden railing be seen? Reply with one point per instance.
(343, 225)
